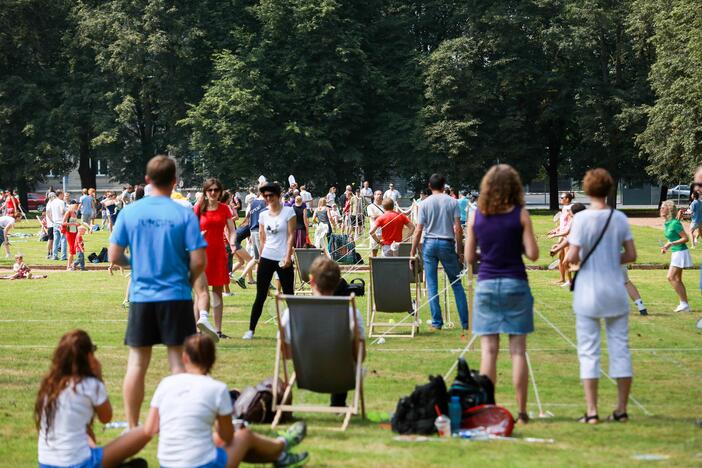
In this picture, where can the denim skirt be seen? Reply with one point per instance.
(503, 305)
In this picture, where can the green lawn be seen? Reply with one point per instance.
(666, 349)
(647, 241)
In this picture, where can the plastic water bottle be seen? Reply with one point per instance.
(455, 414)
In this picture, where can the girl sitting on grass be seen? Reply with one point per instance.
(21, 270)
(186, 406)
(71, 394)
(680, 255)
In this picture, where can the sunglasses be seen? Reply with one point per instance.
(213, 190)
(269, 195)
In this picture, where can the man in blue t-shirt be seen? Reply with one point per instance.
(167, 254)
(463, 207)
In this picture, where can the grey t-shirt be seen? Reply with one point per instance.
(437, 213)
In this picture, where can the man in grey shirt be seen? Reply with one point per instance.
(440, 221)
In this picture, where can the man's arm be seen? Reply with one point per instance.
(458, 232)
(116, 255)
(417, 237)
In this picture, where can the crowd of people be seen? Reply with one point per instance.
(183, 257)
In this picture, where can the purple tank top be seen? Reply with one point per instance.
(499, 237)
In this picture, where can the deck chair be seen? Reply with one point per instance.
(404, 251)
(322, 354)
(391, 291)
(303, 262)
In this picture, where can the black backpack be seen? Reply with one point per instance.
(102, 256)
(357, 286)
(471, 387)
(416, 413)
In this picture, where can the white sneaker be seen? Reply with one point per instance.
(566, 284)
(227, 294)
(248, 335)
(206, 327)
(682, 308)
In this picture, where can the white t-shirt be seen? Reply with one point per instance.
(188, 405)
(55, 211)
(393, 194)
(599, 289)
(276, 229)
(367, 193)
(306, 196)
(67, 441)
(6, 221)
(285, 322)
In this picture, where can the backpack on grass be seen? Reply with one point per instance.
(415, 414)
(472, 388)
(255, 404)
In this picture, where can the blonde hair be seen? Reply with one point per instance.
(322, 202)
(500, 189)
(670, 205)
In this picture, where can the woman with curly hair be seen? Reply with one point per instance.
(71, 394)
(502, 228)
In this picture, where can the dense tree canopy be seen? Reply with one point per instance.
(337, 90)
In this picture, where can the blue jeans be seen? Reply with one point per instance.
(444, 251)
(59, 239)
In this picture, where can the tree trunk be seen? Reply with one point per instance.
(86, 164)
(552, 171)
(23, 189)
(663, 195)
(612, 197)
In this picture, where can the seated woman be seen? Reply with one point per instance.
(186, 406)
(71, 394)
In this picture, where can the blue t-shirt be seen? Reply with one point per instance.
(696, 211)
(254, 211)
(160, 235)
(463, 208)
(86, 204)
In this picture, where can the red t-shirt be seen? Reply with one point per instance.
(391, 222)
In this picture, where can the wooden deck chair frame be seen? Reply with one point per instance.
(303, 288)
(404, 250)
(371, 311)
(289, 379)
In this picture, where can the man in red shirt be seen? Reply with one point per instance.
(391, 223)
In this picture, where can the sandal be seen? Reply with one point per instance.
(522, 418)
(586, 419)
(618, 417)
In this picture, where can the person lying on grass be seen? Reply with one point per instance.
(70, 396)
(21, 270)
(325, 277)
(185, 407)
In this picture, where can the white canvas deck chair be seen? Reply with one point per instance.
(391, 285)
(303, 262)
(322, 344)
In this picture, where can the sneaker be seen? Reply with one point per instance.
(241, 283)
(206, 327)
(222, 336)
(248, 335)
(227, 294)
(294, 435)
(643, 312)
(293, 459)
(566, 284)
(682, 308)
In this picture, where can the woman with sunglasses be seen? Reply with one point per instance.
(277, 237)
(214, 218)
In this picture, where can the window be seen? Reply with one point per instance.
(101, 168)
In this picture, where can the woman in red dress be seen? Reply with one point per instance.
(214, 218)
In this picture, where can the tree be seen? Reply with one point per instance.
(673, 135)
(30, 125)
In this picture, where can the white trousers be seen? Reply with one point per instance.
(590, 342)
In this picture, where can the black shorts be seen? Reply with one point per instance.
(167, 322)
(49, 233)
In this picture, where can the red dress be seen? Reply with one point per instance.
(213, 222)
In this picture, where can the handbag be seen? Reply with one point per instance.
(597, 242)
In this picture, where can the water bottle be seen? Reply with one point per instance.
(455, 414)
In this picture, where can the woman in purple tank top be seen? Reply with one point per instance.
(502, 228)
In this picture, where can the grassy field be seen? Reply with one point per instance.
(647, 240)
(665, 346)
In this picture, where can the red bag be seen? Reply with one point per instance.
(63, 229)
(494, 419)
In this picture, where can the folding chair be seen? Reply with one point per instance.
(391, 291)
(322, 346)
(303, 262)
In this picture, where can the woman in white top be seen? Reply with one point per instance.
(600, 293)
(65, 407)
(186, 406)
(276, 230)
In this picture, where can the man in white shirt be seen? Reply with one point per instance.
(306, 196)
(374, 211)
(331, 196)
(392, 194)
(55, 210)
(367, 193)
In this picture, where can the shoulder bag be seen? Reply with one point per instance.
(597, 242)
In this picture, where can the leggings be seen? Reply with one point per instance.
(264, 275)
